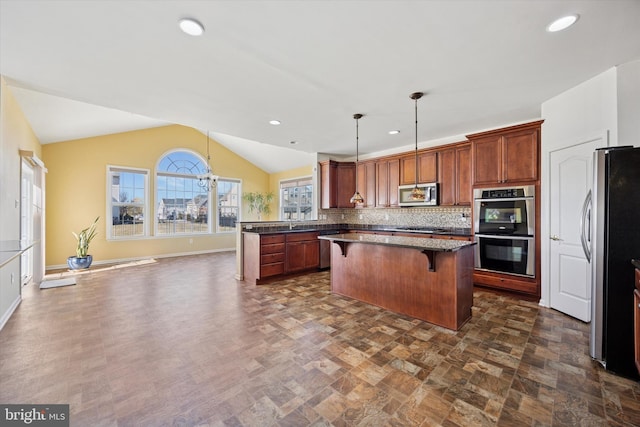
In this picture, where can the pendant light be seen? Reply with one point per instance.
(357, 197)
(417, 193)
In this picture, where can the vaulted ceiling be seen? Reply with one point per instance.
(87, 68)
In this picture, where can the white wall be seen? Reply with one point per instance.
(629, 103)
(581, 113)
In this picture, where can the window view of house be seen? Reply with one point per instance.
(182, 205)
(128, 202)
(228, 192)
(296, 198)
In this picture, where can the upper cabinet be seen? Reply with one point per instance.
(366, 177)
(338, 183)
(506, 155)
(427, 168)
(454, 175)
(387, 182)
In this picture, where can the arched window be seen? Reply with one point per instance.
(182, 205)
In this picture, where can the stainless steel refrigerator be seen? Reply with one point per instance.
(613, 240)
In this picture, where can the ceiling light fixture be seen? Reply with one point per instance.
(191, 26)
(293, 142)
(417, 193)
(207, 180)
(562, 23)
(357, 197)
(394, 132)
(274, 122)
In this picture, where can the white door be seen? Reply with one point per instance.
(571, 171)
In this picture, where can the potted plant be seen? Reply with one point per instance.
(259, 202)
(82, 259)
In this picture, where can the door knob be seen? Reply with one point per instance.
(556, 238)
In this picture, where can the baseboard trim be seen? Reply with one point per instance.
(7, 315)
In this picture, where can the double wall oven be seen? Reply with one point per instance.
(504, 228)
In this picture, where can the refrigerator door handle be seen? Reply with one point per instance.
(585, 226)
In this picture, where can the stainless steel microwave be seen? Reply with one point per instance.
(430, 195)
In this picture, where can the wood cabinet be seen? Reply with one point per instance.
(506, 155)
(507, 282)
(454, 175)
(636, 320)
(366, 178)
(387, 182)
(337, 184)
(263, 256)
(302, 251)
(268, 256)
(427, 168)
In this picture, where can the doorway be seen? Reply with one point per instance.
(26, 220)
(32, 227)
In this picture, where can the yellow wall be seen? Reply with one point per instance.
(76, 188)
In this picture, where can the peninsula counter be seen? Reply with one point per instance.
(429, 279)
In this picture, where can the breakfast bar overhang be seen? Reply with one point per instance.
(428, 279)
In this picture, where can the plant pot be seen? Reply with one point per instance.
(76, 263)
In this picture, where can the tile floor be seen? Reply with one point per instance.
(180, 342)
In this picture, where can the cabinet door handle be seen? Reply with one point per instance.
(556, 238)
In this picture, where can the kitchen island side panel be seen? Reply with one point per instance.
(397, 279)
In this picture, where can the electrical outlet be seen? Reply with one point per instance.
(342, 216)
(360, 216)
(386, 217)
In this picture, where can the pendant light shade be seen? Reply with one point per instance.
(417, 193)
(357, 197)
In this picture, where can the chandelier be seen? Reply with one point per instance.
(207, 180)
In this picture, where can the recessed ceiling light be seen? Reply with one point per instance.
(293, 142)
(394, 132)
(274, 122)
(191, 26)
(562, 23)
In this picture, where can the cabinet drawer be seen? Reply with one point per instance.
(276, 238)
(271, 258)
(272, 248)
(637, 279)
(506, 282)
(301, 237)
(274, 269)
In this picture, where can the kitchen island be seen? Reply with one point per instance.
(428, 279)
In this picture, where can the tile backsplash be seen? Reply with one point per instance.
(454, 217)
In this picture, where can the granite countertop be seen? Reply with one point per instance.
(438, 245)
(636, 263)
(334, 228)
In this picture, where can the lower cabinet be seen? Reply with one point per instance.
(507, 282)
(302, 252)
(268, 256)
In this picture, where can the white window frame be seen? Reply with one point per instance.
(309, 178)
(239, 205)
(210, 228)
(111, 170)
